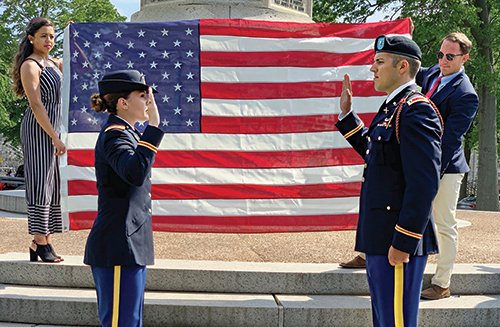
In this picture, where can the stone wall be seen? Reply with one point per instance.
(272, 10)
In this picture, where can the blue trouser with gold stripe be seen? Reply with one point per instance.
(395, 291)
(120, 295)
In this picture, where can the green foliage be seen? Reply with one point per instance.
(15, 17)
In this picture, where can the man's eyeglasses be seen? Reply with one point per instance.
(449, 56)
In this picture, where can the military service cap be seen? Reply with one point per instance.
(398, 44)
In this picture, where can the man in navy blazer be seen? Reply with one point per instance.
(447, 85)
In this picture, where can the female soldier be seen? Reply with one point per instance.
(120, 244)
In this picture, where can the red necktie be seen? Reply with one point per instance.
(431, 91)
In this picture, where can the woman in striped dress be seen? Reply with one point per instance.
(39, 78)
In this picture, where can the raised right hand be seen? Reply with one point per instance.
(346, 96)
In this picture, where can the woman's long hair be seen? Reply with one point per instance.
(25, 50)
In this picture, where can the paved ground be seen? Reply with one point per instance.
(479, 243)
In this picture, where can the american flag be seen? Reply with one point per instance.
(248, 108)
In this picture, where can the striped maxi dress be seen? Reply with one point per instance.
(41, 166)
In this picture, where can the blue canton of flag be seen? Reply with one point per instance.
(167, 54)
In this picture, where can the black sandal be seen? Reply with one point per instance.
(44, 252)
(54, 252)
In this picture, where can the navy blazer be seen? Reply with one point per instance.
(400, 180)
(122, 233)
(457, 102)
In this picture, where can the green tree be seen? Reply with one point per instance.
(433, 20)
(15, 17)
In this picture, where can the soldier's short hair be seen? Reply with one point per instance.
(412, 62)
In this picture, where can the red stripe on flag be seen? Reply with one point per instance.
(284, 90)
(285, 59)
(82, 219)
(249, 28)
(234, 224)
(80, 158)
(274, 125)
(248, 191)
(261, 160)
(255, 224)
(233, 191)
(239, 159)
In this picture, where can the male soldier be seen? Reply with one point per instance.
(452, 92)
(402, 154)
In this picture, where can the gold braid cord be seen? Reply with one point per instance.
(400, 108)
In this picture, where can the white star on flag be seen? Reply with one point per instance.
(190, 98)
(177, 87)
(75, 99)
(83, 109)
(97, 35)
(165, 75)
(189, 31)
(142, 55)
(177, 43)
(190, 75)
(152, 44)
(118, 54)
(107, 44)
(84, 86)
(165, 122)
(190, 53)
(164, 32)
(118, 34)
(141, 33)
(177, 111)
(130, 64)
(73, 122)
(178, 65)
(165, 54)
(189, 122)
(165, 98)
(130, 44)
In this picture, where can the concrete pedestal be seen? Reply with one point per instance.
(271, 10)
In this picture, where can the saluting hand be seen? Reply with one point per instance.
(346, 97)
(154, 115)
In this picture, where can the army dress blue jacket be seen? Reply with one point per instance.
(400, 180)
(122, 233)
(457, 102)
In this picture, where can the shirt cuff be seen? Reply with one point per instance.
(342, 115)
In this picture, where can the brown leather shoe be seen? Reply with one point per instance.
(357, 262)
(435, 293)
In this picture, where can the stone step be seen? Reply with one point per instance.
(78, 307)
(13, 201)
(238, 277)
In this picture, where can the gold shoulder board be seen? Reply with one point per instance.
(120, 127)
(417, 99)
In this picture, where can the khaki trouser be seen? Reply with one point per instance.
(445, 207)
